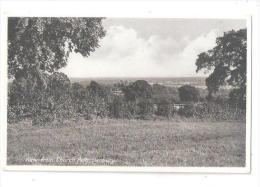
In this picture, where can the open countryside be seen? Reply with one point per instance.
(122, 111)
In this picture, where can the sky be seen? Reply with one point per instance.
(158, 47)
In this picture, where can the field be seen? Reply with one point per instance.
(128, 143)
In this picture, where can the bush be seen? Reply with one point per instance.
(95, 107)
(145, 109)
(212, 111)
(44, 118)
(12, 115)
(118, 108)
(97, 101)
(237, 98)
(59, 101)
(215, 111)
(24, 96)
(95, 89)
(189, 93)
(138, 90)
(55, 103)
(188, 110)
(165, 107)
(78, 97)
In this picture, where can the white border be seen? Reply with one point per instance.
(125, 9)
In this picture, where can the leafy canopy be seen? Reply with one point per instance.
(140, 89)
(189, 93)
(227, 61)
(44, 44)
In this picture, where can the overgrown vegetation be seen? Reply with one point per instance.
(39, 47)
(60, 100)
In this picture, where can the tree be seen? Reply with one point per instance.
(139, 89)
(24, 101)
(78, 92)
(188, 93)
(138, 96)
(98, 98)
(38, 45)
(165, 107)
(58, 85)
(118, 108)
(55, 101)
(96, 89)
(227, 61)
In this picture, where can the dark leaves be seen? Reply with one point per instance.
(47, 42)
(227, 61)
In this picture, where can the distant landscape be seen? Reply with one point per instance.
(196, 135)
(198, 82)
(126, 113)
(173, 82)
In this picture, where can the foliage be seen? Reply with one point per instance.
(61, 101)
(218, 112)
(145, 109)
(227, 61)
(189, 93)
(165, 107)
(237, 97)
(96, 89)
(96, 107)
(138, 90)
(212, 111)
(138, 96)
(55, 101)
(188, 110)
(78, 96)
(24, 96)
(118, 108)
(37, 48)
(43, 44)
(159, 89)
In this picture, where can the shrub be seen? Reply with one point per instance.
(55, 103)
(95, 107)
(237, 97)
(188, 110)
(12, 115)
(145, 109)
(165, 107)
(97, 101)
(214, 111)
(118, 108)
(189, 93)
(44, 118)
(24, 96)
(78, 96)
(95, 89)
(138, 90)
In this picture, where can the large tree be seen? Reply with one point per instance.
(37, 45)
(189, 93)
(140, 89)
(226, 62)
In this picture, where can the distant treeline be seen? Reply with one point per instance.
(57, 99)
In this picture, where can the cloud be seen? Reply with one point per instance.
(187, 58)
(123, 53)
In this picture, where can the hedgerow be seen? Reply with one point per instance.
(59, 100)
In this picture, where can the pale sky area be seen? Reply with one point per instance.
(150, 47)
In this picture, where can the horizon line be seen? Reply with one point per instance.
(139, 77)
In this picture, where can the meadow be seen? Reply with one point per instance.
(115, 122)
(121, 142)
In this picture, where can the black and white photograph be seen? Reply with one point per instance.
(138, 92)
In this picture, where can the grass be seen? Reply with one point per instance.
(128, 143)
